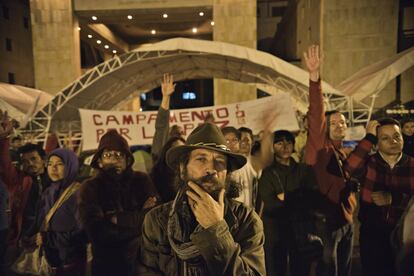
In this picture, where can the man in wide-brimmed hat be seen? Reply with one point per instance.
(202, 232)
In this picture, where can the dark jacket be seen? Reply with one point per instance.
(408, 145)
(298, 183)
(114, 245)
(24, 192)
(234, 246)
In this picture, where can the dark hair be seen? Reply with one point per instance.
(32, 147)
(388, 121)
(407, 120)
(248, 130)
(281, 135)
(230, 129)
(162, 175)
(330, 112)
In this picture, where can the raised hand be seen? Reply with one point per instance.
(312, 61)
(167, 85)
(206, 210)
(6, 126)
(372, 127)
(167, 88)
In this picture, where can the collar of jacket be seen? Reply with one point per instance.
(292, 164)
(403, 160)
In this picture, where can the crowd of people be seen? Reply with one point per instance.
(215, 203)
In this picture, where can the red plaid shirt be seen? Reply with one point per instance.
(376, 175)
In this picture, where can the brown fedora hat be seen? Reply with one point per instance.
(206, 136)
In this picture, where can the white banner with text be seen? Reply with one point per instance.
(138, 127)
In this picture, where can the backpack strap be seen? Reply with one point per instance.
(63, 197)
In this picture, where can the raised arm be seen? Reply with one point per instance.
(8, 172)
(316, 112)
(162, 123)
(265, 156)
(356, 161)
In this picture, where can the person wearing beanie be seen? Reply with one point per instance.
(112, 206)
(283, 187)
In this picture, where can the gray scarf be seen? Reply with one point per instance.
(179, 230)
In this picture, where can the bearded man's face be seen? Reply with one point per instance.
(206, 168)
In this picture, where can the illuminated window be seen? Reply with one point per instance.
(189, 96)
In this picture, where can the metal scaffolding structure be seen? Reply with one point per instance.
(140, 71)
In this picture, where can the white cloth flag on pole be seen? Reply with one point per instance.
(138, 127)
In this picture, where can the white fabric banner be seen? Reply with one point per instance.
(138, 127)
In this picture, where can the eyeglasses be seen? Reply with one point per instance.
(115, 154)
(232, 141)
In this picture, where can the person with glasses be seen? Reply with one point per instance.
(112, 206)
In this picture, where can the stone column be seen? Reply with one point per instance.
(234, 22)
(56, 49)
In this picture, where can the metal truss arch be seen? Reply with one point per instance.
(109, 83)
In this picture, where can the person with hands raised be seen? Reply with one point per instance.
(324, 151)
(202, 231)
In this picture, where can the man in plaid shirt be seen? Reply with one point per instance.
(387, 179)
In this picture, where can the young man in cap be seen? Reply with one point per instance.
(202, 232)
(112, 207)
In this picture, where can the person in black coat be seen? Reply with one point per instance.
(113, 205)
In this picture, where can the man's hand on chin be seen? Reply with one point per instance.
(207, 211)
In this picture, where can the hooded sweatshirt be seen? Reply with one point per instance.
(65, 241)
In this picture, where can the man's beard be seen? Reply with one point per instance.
(209, 183)
(112, 172)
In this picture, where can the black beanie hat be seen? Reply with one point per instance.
(111, 140)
